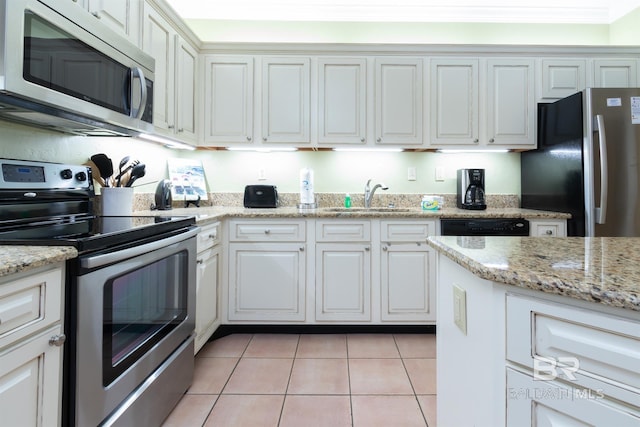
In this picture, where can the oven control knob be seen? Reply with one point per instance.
(81, 176)
(66, 174)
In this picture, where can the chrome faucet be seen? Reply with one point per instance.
(369, 192)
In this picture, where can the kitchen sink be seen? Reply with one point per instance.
(372, 210)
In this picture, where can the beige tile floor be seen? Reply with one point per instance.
(312, 380)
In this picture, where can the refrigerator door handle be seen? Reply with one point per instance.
(601, 212)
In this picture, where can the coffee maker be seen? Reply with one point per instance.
(470, 189)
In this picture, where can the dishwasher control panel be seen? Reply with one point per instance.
(484, 227)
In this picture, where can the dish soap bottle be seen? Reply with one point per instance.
(347, 201)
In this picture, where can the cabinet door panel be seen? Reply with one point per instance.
(342, 101)
(285, 103)
(616, 73)
(408, 277)
(399, 110)
(186, 77)
(120, 15)
(343, 282)
(229, 99)
(266, 282)
(510, 103)
(454, 102)
(562, 78)
(207, 314)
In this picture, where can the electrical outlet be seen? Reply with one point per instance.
(411, 173)
(439, 173)
(262, 175)
(460, 308)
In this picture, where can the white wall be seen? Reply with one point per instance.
(231, 171)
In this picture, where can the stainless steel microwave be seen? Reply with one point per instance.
(63, 70)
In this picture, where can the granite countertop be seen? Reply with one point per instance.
(604, 270)
(15, 259)
(206, 215)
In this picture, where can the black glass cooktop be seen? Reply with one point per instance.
(93, 233)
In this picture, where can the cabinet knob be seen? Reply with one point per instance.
(491, 141)
(57, 340)
(180, 130)
(248, 138)
(385, 248)
(96, 14)
(362, 140)
(475, 141)
(267, 231)
(170, 126)
(264, 139)
(419, 243)
(199, 261)
(213, 236)
(367, 248)
(549, 233)
(379, 140)
(301, 248)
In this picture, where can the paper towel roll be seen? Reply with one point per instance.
(306, 186)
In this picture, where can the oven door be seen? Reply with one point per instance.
(134, 308)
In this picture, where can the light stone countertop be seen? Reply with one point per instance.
(603, 270)
(205, 215)
(15, 259)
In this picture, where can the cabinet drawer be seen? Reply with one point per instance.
(29, 303)
(548, 228)
(343, 231)
(209, 236)
(399, 231)
(599, 350)
(267, 231)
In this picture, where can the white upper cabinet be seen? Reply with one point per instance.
(286, 100)
(228, 108)
(562, 77)
(399, 101)
(482, 103)
(174, 89)
(615, 72)
(454, 102)
(122, 16)
(342, 101)
(510, 103)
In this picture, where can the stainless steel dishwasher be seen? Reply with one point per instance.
(484, 227)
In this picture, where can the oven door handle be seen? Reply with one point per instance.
(104, 259)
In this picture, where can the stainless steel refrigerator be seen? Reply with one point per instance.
(587, 162)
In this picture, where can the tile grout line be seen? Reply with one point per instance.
(415, 395)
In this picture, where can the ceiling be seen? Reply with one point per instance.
(499, 11)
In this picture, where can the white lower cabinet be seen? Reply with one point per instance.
(207, 284)
(343, 281)
(407, 272)
(267, 281)
(31, 339)
(547, 228)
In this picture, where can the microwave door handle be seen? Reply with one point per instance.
(601, 212)
(136, 72)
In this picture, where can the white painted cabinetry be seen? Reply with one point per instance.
(286, 100)
(562, 77)
(547, 228)
(570, 363)
(122, 16)
(266, 270)
(615, 72)
(207, 283)
(343, 270)
(342, 101)
(228, 108)
(399, 101)
(174, 87)
(482, 103)
(407, 272)
(31, 339)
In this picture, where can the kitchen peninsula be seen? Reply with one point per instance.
(538, 330)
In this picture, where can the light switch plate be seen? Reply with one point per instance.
(439, 173)
(411, 173)
(460, 308)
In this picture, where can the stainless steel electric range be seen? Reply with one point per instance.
(129, 296)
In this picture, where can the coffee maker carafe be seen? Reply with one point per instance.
(471, 189)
